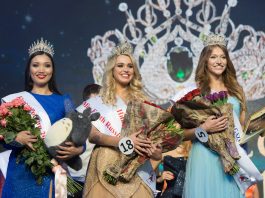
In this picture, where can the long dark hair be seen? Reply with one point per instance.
(229, 75)
(28, 80)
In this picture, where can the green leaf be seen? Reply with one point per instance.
(9, 137)
(33, 170)
(39, 180)
(40, 162)
(29, 161)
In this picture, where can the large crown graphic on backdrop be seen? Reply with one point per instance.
(168, 38)
(41, 46)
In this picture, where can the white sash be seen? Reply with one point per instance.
(44, 122)
(111, 117)
(4, 159)
(110, 123)
(247, 169)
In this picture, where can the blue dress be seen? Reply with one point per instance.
(20, 182)
(205, 177)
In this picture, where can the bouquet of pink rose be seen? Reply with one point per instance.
(16, 116)
(194, 108)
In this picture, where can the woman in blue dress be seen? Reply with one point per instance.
(41, 94)
(205, 177)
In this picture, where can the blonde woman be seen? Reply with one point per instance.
(121, 84)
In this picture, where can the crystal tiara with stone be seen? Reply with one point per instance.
(122, 48)
(214, 39)
(41, 46)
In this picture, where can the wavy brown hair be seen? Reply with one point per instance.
(229, 75)
(108, 90)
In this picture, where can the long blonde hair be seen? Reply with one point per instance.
(108, 90)
(229, 75)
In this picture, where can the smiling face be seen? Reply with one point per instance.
(217, 62)
(123, 71)
(41, 70)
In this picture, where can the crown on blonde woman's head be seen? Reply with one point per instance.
(41, 46)
(122, 48)
(214, 39)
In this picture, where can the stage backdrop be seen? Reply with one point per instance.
(166, 35)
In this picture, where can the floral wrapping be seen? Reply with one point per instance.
(193, 109)
(156, 124)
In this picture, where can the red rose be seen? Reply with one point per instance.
(189, 96)
(196, 92)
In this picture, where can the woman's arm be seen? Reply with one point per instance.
(23, 138)
(99, 138)
(155, 152)
(211, 125)
(69, 151)
(166, 175)
(242, 118)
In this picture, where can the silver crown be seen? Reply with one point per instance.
(122, 48)
(214, 39)
(41, 46)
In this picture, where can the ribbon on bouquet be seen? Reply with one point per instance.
(248, 173)
(60, 180)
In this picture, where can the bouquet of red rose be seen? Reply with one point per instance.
(194, 108)
(157, 124)
(15, 116)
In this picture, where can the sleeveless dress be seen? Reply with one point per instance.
(20, 182)
(205, 177)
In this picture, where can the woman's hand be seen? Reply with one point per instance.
(213, 124)
(140, 144)
(68, 151)
(155, 152)
(166, 175)
(26, 138)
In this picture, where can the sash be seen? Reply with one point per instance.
(110, 123)
(111, 117)
(248, 173)
(4, 159)
(44, 122)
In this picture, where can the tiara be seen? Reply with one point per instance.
(41, 46)
(214, 39)
(122, 48)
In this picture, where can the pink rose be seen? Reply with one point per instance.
(3, 122)
(18, 102)
(4, 105)
(4, 111)
(27, 107)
